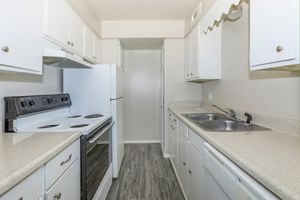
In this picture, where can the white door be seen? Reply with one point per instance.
(118, 135)
(117, 84)
(162, 98)
(68, 185)
(21, 34)
(272, 31)
(56, 20)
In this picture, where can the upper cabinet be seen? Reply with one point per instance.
(21, 36)
(63, 25)
(92, 46)
(274, 33)
(203, 50)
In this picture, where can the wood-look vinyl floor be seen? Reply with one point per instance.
(145, 175)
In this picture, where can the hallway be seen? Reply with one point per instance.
(145, 175)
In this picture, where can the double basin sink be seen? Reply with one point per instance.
(215, 122)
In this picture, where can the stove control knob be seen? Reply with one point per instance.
(49, 100)
(31, 103)
(23, 104)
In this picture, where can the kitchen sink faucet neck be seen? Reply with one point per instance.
(231, 113)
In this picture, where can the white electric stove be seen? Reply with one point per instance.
(51, 113)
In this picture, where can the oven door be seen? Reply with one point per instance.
(95, 159)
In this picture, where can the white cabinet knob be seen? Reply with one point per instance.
(5, 49)
(279, 48)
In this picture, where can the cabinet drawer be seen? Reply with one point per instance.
(183, 129)
(68, 185)
(30, 188)
(59, 164)
(196, 141)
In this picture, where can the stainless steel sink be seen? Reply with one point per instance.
(206, 117)
(215, 122)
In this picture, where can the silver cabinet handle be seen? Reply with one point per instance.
(279, 48)
(190, 172)
(65, 161)
(72, 44)
(184, 163)
(57, 196)
(69, 43)
(191, 74)
(5, 49)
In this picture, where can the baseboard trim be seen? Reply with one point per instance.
(142, 141)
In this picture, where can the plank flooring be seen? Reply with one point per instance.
(145, 175)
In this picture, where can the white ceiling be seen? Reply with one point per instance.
(143, 9)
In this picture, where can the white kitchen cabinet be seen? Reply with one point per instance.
(68, 185)
(274, 33)
(21, 36)
(92, 46)
(30, 188)
(172, 123)
(195, 167)
(63, 25)
(203, 54)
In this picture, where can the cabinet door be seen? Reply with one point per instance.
(88, 42)
(182, 161)
(187, 57)
(196, 174)
(195, 54)
(98, 49)
(273, 31)
(76, 29)
(21, 35)
(68, 185)
(56, 20)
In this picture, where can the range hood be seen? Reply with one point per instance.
(63, 58)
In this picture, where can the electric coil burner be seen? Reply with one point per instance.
(93, 116)
(49, 126)
(79, 125)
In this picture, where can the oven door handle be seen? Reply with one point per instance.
(95, 138)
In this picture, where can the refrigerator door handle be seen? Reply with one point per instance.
(116, 99)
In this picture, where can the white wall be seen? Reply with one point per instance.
(274, 93)
(142, 94)
(24, 84)
(142, 29)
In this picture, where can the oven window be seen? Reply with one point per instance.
(98, 161)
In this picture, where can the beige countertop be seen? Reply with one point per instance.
(22, 154)
(271, 157)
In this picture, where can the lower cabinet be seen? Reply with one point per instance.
(190, 168)
(68, 185)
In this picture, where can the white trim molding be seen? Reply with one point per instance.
(142, 141)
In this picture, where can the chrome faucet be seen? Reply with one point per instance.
(230, 112)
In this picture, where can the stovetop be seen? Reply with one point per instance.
(78, 122)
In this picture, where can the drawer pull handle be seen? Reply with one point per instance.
(190, 172)
(64, 162)
(57, 196)
(184, 163)
(21, 198)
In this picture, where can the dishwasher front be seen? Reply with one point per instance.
(226, 181)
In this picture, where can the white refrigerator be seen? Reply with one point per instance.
(99, 90)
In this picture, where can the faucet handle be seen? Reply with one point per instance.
(231, 113)
(249, 118)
